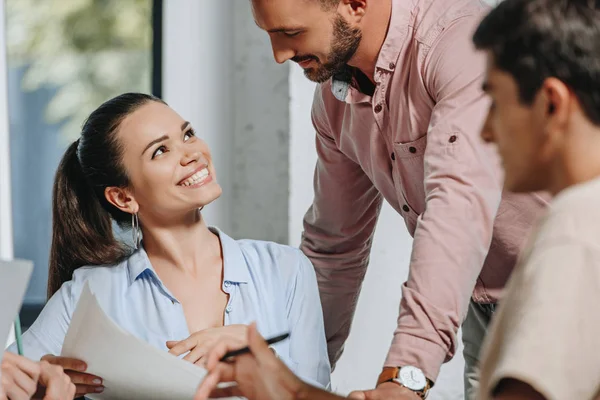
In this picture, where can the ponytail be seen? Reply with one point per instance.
(82, 231)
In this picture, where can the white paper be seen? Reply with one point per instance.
(14, 277)
(131, 369)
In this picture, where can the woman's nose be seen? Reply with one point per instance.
(189, 157)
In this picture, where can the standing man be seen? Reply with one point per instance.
(397, 112)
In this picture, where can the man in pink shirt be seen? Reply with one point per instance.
(397, 113)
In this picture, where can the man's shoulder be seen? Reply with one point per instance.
(433, 17)
(572, 216)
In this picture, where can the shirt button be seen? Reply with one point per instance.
(393, 156)
(412, 149)
(392, 65)
(378, 108)
(228, 309)
(405, 208)
(452, 139)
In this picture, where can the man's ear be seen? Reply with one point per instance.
(557, 98)
(121, 198)
(353, 10)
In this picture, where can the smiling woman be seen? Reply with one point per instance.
(137, 162)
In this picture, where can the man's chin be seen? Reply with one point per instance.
(318, 75)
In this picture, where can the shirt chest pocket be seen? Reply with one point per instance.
(409, 168)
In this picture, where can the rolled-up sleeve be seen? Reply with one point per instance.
(463, 192)
(338, 231)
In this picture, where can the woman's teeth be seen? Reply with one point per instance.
(196, 178)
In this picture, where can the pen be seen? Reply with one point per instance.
(246, 349)
(18, 335)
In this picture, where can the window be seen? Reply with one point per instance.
(64, 59)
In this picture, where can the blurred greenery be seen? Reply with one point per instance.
(90, 50)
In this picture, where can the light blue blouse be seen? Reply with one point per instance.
(272, 284)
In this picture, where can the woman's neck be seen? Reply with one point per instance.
(188, 246)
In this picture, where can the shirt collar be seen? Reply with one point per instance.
(235, 268)
(234, 264)
(396, 36)
(387, 59)
(137, 264)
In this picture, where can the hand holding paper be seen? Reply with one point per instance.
(131, 368)
(75, 369)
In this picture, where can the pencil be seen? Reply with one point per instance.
(245, 350)
(18, 335)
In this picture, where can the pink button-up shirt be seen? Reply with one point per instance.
(416, 144)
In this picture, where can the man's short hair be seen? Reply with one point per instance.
(533, 40)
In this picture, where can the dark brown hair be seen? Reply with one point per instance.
(533, 40)
(82, 231)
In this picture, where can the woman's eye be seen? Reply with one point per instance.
(158, 151)
(188, 135)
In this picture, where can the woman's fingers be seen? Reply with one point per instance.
(81, 378)
(65, 362)
(16, 393)
(81, 390)
(55, 383)
(24, 382)
(183, 346)
(26, 365)
(196, 354)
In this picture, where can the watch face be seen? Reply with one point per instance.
(413, 378)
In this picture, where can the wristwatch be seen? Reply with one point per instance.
(408, 376)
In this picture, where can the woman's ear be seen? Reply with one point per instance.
(122, 199)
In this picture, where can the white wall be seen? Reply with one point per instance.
(218, 72)
(377, 309)
(197, 70)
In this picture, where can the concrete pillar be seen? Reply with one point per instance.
(197, 69)
(218, 72)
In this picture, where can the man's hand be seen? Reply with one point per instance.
(75, 369)
(259, 375)
(385, 391)
(18, 377)
(199, 343)
(54, 384)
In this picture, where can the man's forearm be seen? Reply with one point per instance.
(312, 393)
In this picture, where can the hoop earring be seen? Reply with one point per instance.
(135, 230)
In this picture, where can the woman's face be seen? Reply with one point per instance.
(170, 169)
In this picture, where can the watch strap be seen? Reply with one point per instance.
(390, 374)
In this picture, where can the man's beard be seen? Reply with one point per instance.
(344, 44)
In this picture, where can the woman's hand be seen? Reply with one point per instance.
(18, 377)
(54, 384)
(75, 369)
(199, 343)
